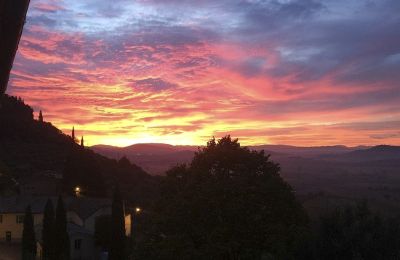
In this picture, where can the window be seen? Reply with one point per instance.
(78, 244)
(20, 219)
(8, 236)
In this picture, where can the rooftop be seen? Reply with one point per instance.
(83, 206)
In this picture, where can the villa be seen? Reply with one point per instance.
(82, 213)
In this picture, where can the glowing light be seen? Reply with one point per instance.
(78, 191)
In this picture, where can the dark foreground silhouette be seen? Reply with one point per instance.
(228, 203)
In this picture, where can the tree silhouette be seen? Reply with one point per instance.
(229, 203)
(82, 168)
(73, 134)
(28, 237)
(61, 238)
(40, 116)
(355, 232)
(48, 239)
(102, 233)
(118, 237)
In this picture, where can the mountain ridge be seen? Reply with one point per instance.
(36, 153)
(145, 154)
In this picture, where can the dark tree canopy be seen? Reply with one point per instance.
(229, 203)
(102, 233)
(82, 169)
(118, 237)
(61, 237)
(28, 237)
(357, 233)
(48, 232)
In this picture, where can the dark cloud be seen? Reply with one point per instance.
(385, 136)
(238, 62)
(153, 84)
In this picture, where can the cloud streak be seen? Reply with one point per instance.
(296, 72)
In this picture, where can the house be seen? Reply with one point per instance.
(82, 213)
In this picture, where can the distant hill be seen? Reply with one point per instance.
(144, 149)
(376, 153)
(156, 158)
(31, 150)
(323, 177)
(307, 151)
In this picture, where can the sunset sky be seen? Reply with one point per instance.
(301, 72)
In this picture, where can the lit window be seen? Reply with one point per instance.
(20, 219)
(78, 244)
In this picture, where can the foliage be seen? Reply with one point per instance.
(61, 238)
(229, 203)
(28, 237)
(48, 239)
(357, 233)
(7, 183)
(32, 148)
(118, 238)
(103, 232)
(40, 116)
(82, 169)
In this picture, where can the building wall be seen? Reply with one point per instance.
(72, 217)
(90, 222)
(128, 224)
(8, 223)
(87, 247)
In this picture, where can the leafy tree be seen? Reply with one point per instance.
(229, 203)
(82, 169)
(7, 183)
(357, 233)
(118, 238)
(28, 237)
(103, 232)
(48, 239)
(61, 238)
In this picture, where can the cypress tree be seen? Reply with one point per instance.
(82, 142)
(40, 116)
(73, 133)
(61, 238)
(28, 237)
(48, 232)
(118, 238)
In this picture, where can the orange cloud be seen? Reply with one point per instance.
(122, 79)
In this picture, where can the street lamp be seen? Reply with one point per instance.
(77, 191)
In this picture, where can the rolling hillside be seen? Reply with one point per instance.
(323, 177)
(43, 161)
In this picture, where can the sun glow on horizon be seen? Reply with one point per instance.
(147, 71)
